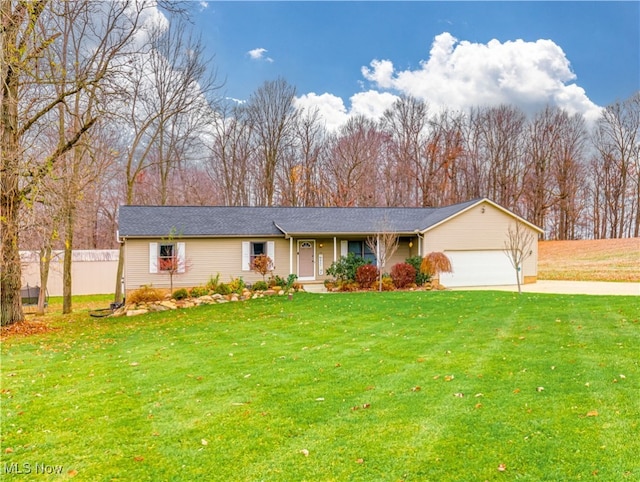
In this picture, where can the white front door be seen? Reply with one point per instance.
(306, 260)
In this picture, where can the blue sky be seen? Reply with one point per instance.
(355, 57)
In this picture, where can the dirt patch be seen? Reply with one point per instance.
(590, 260)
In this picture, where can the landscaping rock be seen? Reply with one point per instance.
(137, 312)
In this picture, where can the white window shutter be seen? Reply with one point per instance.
(344, 247)
(271, 252)
(246, 256)
(182, 261)
(153, 257)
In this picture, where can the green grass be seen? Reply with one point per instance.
(365, 382)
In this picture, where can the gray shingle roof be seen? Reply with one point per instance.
(205, 221)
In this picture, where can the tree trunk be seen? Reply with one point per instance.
(10, 199)
(45, 263)
(68, 253)
(11, 275)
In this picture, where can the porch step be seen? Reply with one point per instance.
(314, 288)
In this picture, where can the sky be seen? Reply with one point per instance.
(349, 58)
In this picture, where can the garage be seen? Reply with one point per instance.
(479, 268)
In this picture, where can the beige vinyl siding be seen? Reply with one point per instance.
(477, 230)
(204, 258)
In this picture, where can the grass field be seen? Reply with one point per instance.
(590, 260)
(363, 386)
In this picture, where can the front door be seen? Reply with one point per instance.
(306, 255)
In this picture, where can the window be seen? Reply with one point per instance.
(252, 249)
(166, 257)
(257, 249)
(360, 248)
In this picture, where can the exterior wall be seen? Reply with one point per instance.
(478, 230)
(205, 258)
(92, 272)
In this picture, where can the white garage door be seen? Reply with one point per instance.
(479, 268)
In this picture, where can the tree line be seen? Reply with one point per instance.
(104, 105)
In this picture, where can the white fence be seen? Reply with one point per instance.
(92, 271)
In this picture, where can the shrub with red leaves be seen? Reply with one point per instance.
(366, 275)
(403, 275)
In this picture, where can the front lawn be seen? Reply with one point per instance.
(363, 386)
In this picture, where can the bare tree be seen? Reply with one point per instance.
(299, 176)
(406, 124)
(384, 244)
(30, 101)
(518, 247)
(273, 118)
(352, 163)
(165, 88)
(616, 142)
(230, 154)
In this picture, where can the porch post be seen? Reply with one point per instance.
(291, 255)
(335, 249)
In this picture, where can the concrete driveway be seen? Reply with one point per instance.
(570, 287)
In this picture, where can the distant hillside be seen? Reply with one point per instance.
(590, 260)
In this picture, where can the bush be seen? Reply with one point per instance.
(213, 283)
(348, 286)
(260, 286)
(291, 279)
(237, 285)
(421, 278)
(345, 268)
(145, 294)
(435, 263)
(366, 275)
(223, 289)
(180, 294)
(387, 284)
(198, 291)
(276, 280)
(403, 275)
(262, 264)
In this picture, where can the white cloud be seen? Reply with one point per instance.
(461, 74)
(330, 107)
(203, 5)
(259, 54)
(372, 103)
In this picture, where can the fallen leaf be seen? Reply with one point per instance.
(517, 390)
(539, 389)
(592, 413)
(478, 405)
(502, 467)
(415, 389)
(8, 450)
(459, 395)
(366, 405)
(478, 395)
(138, 458)
(305, 452)
(134, 364)
(448, 378)
(204, 442)
(360, 461)
(436, 377)
(72, 473)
